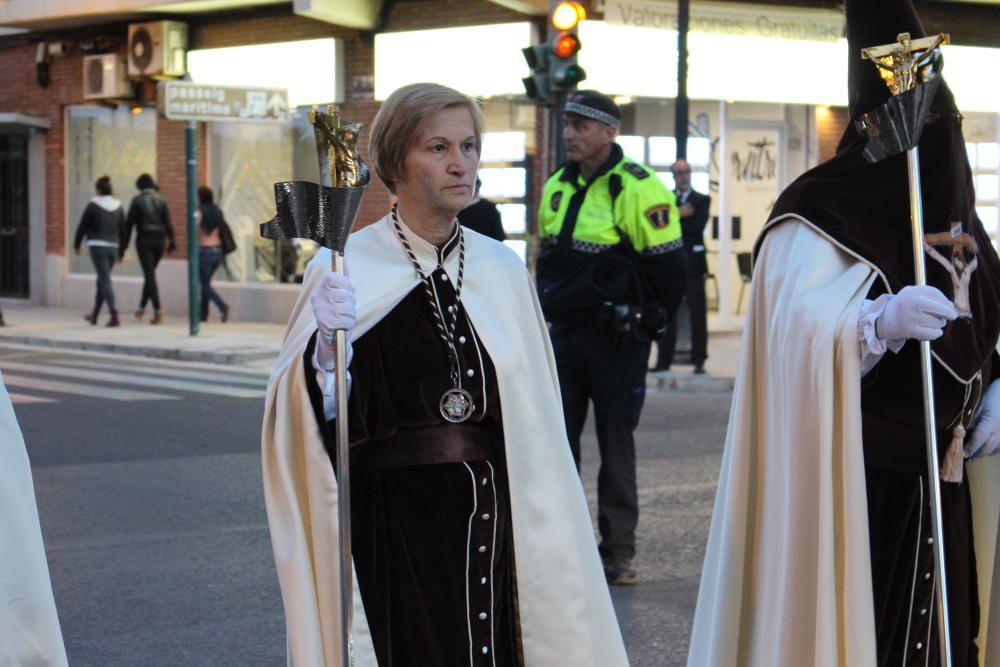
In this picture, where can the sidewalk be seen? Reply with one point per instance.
(257, 344)
(720, 367)
(234, 343)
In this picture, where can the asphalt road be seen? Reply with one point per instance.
(154, 519)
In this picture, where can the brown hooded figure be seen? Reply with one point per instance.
(839, 239)
(865, 207)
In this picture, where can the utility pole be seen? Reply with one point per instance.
(681, 105)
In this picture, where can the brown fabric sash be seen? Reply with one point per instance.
(445, 443)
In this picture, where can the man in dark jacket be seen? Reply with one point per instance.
(693, 207)
(103, 225)
(150, 217)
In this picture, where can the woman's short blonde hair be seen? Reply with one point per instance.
(402, 116)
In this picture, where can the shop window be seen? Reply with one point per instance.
(984, 158)
(113, 142)
(504, 171)
(634, 147)
(514, 218)
(663, 154)
(989, 217)
(988, 156)
(987, 187)
(503, 147)
(503, 182)
(699, 153)
(245, 160)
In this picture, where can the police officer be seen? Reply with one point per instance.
(609, 269)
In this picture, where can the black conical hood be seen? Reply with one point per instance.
(865, 206)
(873, 23)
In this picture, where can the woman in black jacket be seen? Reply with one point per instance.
(103, 225)
(150, 216)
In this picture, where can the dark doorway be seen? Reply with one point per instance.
(14, 269)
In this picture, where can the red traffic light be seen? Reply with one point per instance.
(566, 45)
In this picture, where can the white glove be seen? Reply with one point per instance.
(985, 440)
(916, 311)
(334, 306)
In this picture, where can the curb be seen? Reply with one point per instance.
(175, 354)
(688, 383)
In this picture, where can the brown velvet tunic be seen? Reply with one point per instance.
(432, 538)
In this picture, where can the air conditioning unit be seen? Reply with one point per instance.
(157, 49)
(105, 77)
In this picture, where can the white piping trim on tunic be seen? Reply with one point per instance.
(468, 560)
(840, 246)
(482, 368)
(493, 550)
(916, 567)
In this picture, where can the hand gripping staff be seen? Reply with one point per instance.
(911, 70)
(325, 214)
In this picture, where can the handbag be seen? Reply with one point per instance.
(226, 237)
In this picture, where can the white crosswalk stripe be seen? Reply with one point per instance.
(26, 399)
(122, 378)
(77, 389)
(163, 371)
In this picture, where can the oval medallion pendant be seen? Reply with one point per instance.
(457, 405)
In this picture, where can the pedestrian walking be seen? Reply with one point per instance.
(482, 216)
(610, 268)
(149, 216)
(821, 550)
(693, 207)
(103, 226)
(211, 228)
(471, 537)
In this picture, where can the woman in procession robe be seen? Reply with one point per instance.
(472, 541)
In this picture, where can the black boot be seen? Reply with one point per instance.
(92, 317)
(114, 321)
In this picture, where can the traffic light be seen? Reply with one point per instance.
(564, 44)
(536, 86)
(553, 64)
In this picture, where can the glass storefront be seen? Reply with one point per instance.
(507, 168)
(112, 142)
(245, 161)
(982, 135)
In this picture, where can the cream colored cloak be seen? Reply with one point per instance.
(787, 574)
(29, 626)
(566, 616)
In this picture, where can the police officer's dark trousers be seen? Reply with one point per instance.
(592, 366)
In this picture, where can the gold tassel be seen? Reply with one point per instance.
(951, 468)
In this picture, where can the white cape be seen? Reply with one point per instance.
(787, 575)
(29, 626)
(566, 616)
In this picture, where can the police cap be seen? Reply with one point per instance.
(595, 105)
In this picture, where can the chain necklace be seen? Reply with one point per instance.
(456, 404)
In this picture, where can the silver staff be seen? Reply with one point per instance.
(325, 214)
(911, 70)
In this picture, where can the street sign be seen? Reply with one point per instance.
(184, 100)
